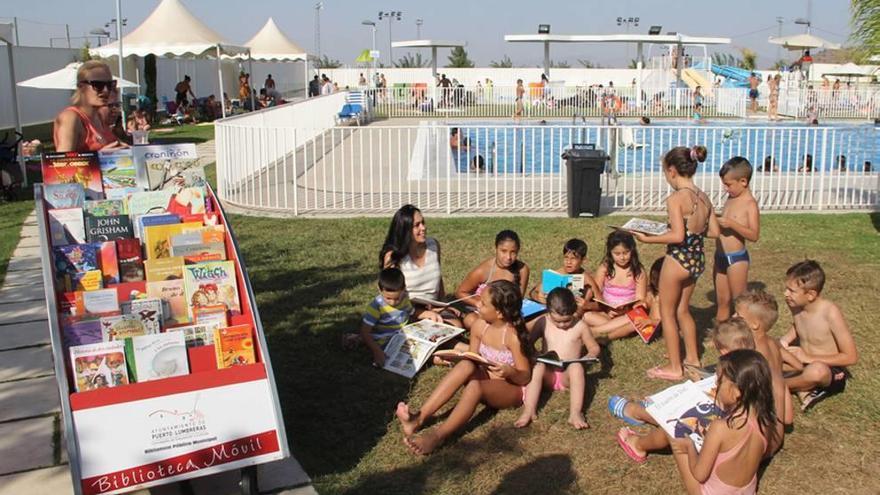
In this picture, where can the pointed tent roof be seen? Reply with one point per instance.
(272, 44)
(170, 30)
(803, 41)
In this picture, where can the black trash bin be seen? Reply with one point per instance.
(584, 164)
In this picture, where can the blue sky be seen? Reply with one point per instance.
(482, 24)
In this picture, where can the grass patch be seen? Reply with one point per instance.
(314, 276)
(12, 215)
(189, 133)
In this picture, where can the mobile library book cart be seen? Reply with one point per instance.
(146, 434)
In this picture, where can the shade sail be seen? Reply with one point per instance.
(64, 78)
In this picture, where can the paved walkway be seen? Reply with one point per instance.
(34, 457)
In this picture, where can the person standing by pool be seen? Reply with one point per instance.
(773, 105)
(518, 108)
(79, 126)
(754, 82)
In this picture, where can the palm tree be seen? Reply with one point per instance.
(749, 59)
(866, 25)
(409, 61)
(504, 63)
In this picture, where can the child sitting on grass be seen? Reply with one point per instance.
(500, 337)
(818, 365)
(574, 254)
(564, 333)
(622, 326)
(620, 279)
(388, 312)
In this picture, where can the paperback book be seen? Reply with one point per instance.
(153, 357)
(105, 207)
(214, 314)
(66, 226)
(130, 260)
(85, 281)
(454, 356)
(99, 229)
(144, 202)
(82, 332)
(551, 279)
(64, 195)
(151, 219)
(109, 263)
(212, 283)
(408, 350)
(149, 310)
(121, 327)
(684, 410)
(197, 335)
(118, 173)
(99, 365)
(234, 346)
(641, 321)
(531, 308)
(649, 227)
(552, 358)
(162, 269)
(171, 291)
(157, 238)
(74, 168)
(74, 259)
(161, 166)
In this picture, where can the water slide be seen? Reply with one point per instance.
(694, 78)
(735, 76)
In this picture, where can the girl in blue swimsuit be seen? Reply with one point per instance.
(690, 216)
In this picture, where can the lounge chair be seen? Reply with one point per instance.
(628, 140)
(353, 108)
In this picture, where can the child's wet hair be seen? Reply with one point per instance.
(561, 301)
(507, 299)
(685, 160)
(392, 279)
(738, 167)
(576, 247)
(507, 235)
(761, 304)
(808, 275)
(654, 275)
(749, 371)
(733, 334)
(625, 239)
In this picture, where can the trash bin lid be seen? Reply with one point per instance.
(584, 150)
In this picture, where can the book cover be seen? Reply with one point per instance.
(408, 350)
(72, 259)
(153, 357)
(130, 260)
(551, 279)
(210, 283)
(71, 303)
(149, 310)
(99, 301)
(144, 202)
(649, 227)
(196, 335)
(121, 327)
(66, 226)
(109, 263)
(624, 306)
(552, 358)
(188, 201)
(99, 365)
(173, 292)
(82, 332)
(105, 207)
(161, 166)
(86, 281)
(215, 314)
(74, 168)
(143, 221)
(157, 239)
(64, 195)
(640, 318)
(683, 410)
(118, 173)
(161, 269)
(234, 346)
(531, 308)
(100, 229)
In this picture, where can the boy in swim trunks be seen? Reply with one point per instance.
(574, 255)
(566, 334)
(818, 365)
(739, 222)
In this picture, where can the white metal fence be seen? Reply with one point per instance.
(419, 100)
(500, 168)
(822, 103)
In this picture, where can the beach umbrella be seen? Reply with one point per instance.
(64, 78)
(804, 41)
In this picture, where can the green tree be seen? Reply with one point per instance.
(458, 58)
(326, 62)
(587, 64)
(560, 64)
(504, 63)
(749, 59)
(410, 61)
(633, 64)
(865, 20)
(719, 58)
(779, 64)
(84, 54)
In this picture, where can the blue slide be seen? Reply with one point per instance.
(735, 76)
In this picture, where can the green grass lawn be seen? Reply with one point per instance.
(314, 276)
(12, 216)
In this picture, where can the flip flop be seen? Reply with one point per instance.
(658, 373)
(622, 435)
(617, 406)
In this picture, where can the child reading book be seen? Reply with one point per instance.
(387, 313)
(818, 365)
(739, 222)
(734, 445)
(634, 321)
(505, 265)
(565, 334)
(500, 337)
(690, 218)
(574, 254)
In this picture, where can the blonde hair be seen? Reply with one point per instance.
(81, 73)
(762, 305)
(733, 334)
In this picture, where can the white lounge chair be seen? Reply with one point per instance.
(628, 140)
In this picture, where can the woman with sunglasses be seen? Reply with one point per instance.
(79, 127)
(111, 117)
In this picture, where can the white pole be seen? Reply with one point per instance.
(639, 56)
(547, 58)
(306, 77)
(434, 62)
(220, 78)
(119, 41)
(250, 73)
(16, 116)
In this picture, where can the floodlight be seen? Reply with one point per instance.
(543, 28)
(655, 30)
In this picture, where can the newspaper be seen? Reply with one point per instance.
(408, 350)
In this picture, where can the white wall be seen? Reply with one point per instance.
(35, 105)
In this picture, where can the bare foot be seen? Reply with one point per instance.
(524, 419)
(409, 420)
(578, 421)
(631, 441)
(422, 444)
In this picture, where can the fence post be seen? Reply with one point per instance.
(824, 169)
(446, 132)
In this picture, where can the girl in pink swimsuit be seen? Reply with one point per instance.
(621, 278)
(500, 337)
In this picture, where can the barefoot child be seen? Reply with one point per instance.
(734, 445)
(388, 312)
(690, 218)
(503, 266)
(566, 334)
(739, 222)
(613, 330)
(620, 278)
(826, 344)
(500, 337)
(574, 254)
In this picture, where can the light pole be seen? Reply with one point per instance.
(373, 48)
(419, 23)
(318, 7)
(779, 35)
(628, 21)
(112, 22)
(391, 16)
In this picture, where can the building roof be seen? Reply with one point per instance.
(616, 38)
(427, 44)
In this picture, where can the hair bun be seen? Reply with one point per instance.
(698, 153)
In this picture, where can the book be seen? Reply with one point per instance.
(408, 350)
(121, 327)
(153, 357)
(161, 269)
(144, 202)
(196, 335)
(64, 195)
(66, 226)
(74, 259)
(234, 346)
(99, 301)
(454, 356)
(204, 244)
(427, 301)
(637, 315)
(82, 332)
(215, 314)
(649, 227)
(150, 219)
(105, 207)
(130, 260)
(683, 410)
(109, 263)
(149, 310)
(99, 365)
(531, 308)
(108, 228)
(74, 168)
(210, 283)
(188, 201)
(624, 306)
(551, 279)
(171, 291)
(118, 173)
(157, 239)
(86, 281)
(552, 358)
(161, 166)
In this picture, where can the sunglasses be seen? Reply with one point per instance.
(99, 86)
(114, 105)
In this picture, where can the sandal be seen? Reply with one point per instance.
(622, 435)
(658, 373)
(617, 406)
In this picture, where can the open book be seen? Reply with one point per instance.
(455, 356)
(639, 315)
(624, 306)
(649, 227)
(551, 279)
(408, 350)
(531, 308)
(685, 410)
(552, 358)
(427, 301)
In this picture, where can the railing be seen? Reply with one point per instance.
(553, 101)
(823, 103)
(503, 168)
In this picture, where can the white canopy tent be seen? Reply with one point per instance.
(803, 41)
(65, 78)
(270, 44)
(172, 31)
